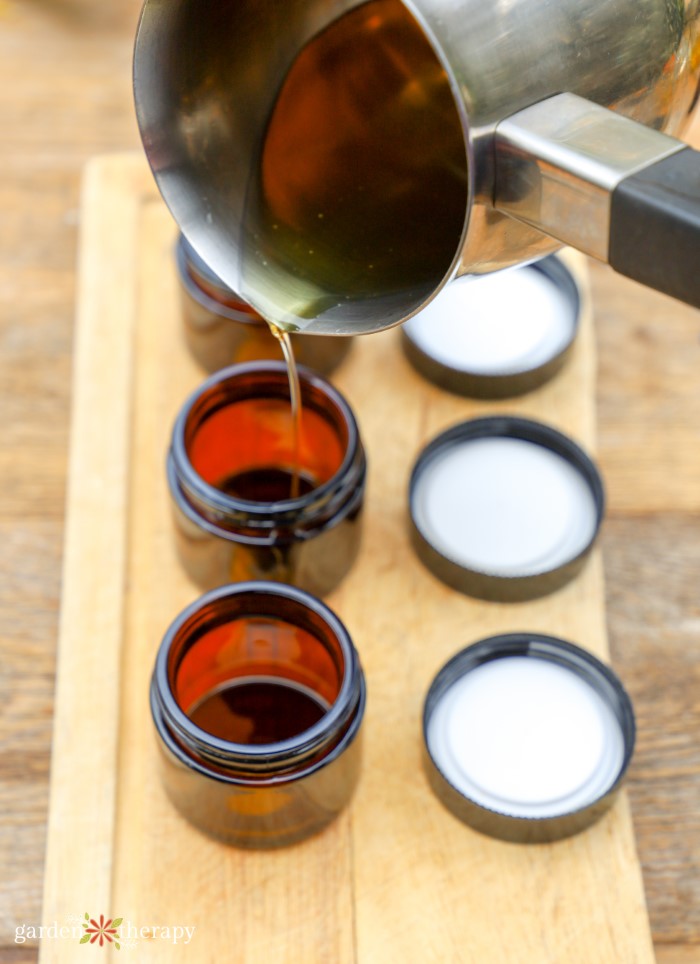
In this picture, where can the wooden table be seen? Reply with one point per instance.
(64, 96)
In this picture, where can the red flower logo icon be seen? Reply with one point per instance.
(106, 930)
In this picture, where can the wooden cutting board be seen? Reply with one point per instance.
(396, 878)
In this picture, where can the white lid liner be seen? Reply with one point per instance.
(500, 324)
(504, 506)
(526, 737)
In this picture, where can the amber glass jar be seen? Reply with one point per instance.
(257, 697)
(230, 470)
(221, 330)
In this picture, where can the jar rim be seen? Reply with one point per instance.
(280, 754)
(256, 778)
(220, 502)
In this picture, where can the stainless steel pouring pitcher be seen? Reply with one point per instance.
(336, 163)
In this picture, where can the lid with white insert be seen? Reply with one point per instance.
(497, 335)
(527, 737)
(504, 508)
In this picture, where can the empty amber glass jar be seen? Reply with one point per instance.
(221, 329)
(257, 697)
(230, 470)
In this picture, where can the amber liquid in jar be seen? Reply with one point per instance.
(257, 711)
(255, 449)
(266, 485)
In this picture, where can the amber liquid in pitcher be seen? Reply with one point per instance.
(360, 188)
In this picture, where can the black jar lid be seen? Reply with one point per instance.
(504, 508)
(527, 737)
(498, 335)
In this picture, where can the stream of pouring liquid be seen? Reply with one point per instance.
(295, 398)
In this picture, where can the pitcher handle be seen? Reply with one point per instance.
(613, 188)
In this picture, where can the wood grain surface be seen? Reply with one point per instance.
(396, 875)
(64, 96)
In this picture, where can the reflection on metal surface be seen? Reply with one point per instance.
(207, 77)
(559, 161)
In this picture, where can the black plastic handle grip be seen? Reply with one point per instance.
(655, 226)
